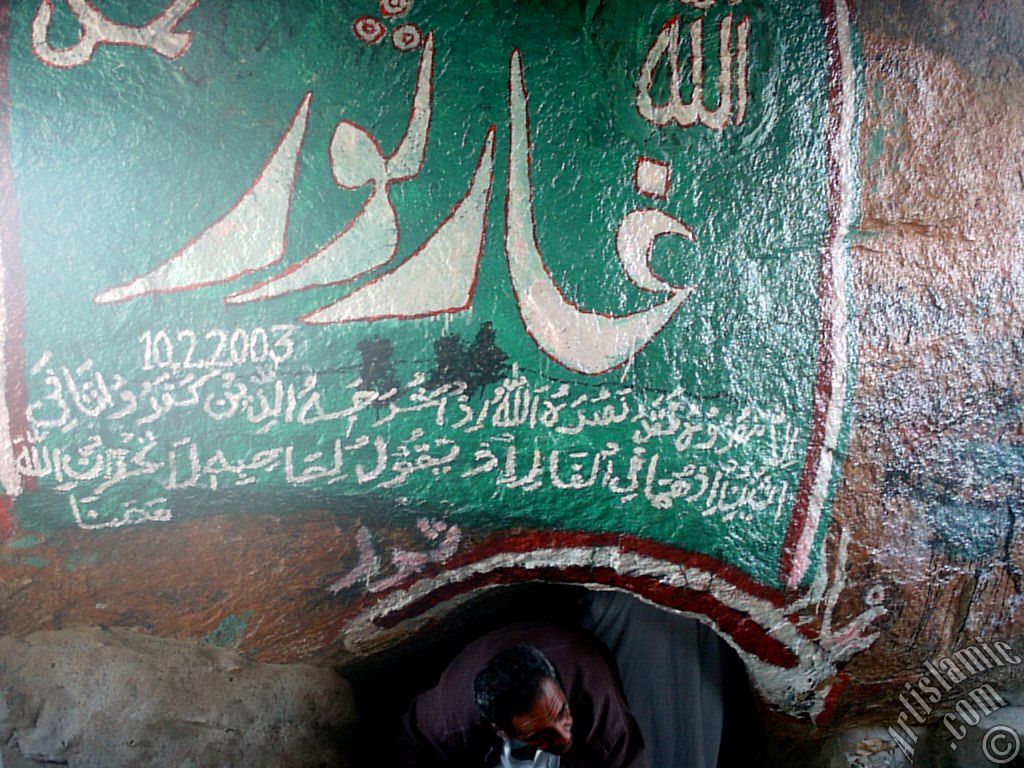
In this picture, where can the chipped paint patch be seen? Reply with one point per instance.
(31, 560)
(230, 631)
(76, 560)
(25, 542)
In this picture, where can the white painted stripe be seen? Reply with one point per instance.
(9, 475)
(797, 689)
(839, 148)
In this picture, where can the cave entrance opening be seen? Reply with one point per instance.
(687, 686)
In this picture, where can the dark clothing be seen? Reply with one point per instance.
(443, 727)
(671, 670)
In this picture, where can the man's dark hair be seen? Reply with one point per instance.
(508, 684)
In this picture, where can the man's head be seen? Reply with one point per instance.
(518, 692)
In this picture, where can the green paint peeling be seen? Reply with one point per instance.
(876, 146)
(25, 542)
(230, 631)
(34, 561)
(76, 560)
(889, 134)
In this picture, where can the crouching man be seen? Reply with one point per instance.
(528, 695)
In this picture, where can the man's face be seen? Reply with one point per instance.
(547, 725)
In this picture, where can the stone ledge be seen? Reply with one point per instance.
(101, 698)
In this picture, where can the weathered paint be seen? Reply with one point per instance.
(936, 262)
(230, 632)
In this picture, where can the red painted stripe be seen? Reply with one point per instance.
(7, 524)
(746, 632)
(823, 380)
(529, 541)
(832, 699)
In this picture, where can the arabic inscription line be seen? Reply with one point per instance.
(91, 432)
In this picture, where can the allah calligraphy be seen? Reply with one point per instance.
(686, 113)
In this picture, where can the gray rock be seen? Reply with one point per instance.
(970, 740)
(863, 748)
(98, 698)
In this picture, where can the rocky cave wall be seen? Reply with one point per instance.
(841, 256)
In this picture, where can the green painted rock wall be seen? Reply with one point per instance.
(296, 289)
(574, 272)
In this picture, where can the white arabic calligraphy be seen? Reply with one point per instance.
(580, 340)
(371, 238)
(407, 563)
(251, 236)
(689, 113)
(158, 34)
(678, 451)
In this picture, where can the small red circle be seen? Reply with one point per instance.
(407, 37)
(369, 29)
(394, 7)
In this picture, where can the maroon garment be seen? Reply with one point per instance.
(443, 727)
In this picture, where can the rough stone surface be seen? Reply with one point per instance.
(931, 489)
(863, 748)
(994, 739)
(100, 698)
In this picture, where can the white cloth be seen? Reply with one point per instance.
(671, 669)
(515, 754)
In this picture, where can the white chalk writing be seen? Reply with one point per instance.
(91, 431)
(406, 562)
(216, 348)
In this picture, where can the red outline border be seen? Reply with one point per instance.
(526, 541)
(746, 631)
(379, 27)
(403, 48)
(823, 381)
(721, 594)
(388, 13)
